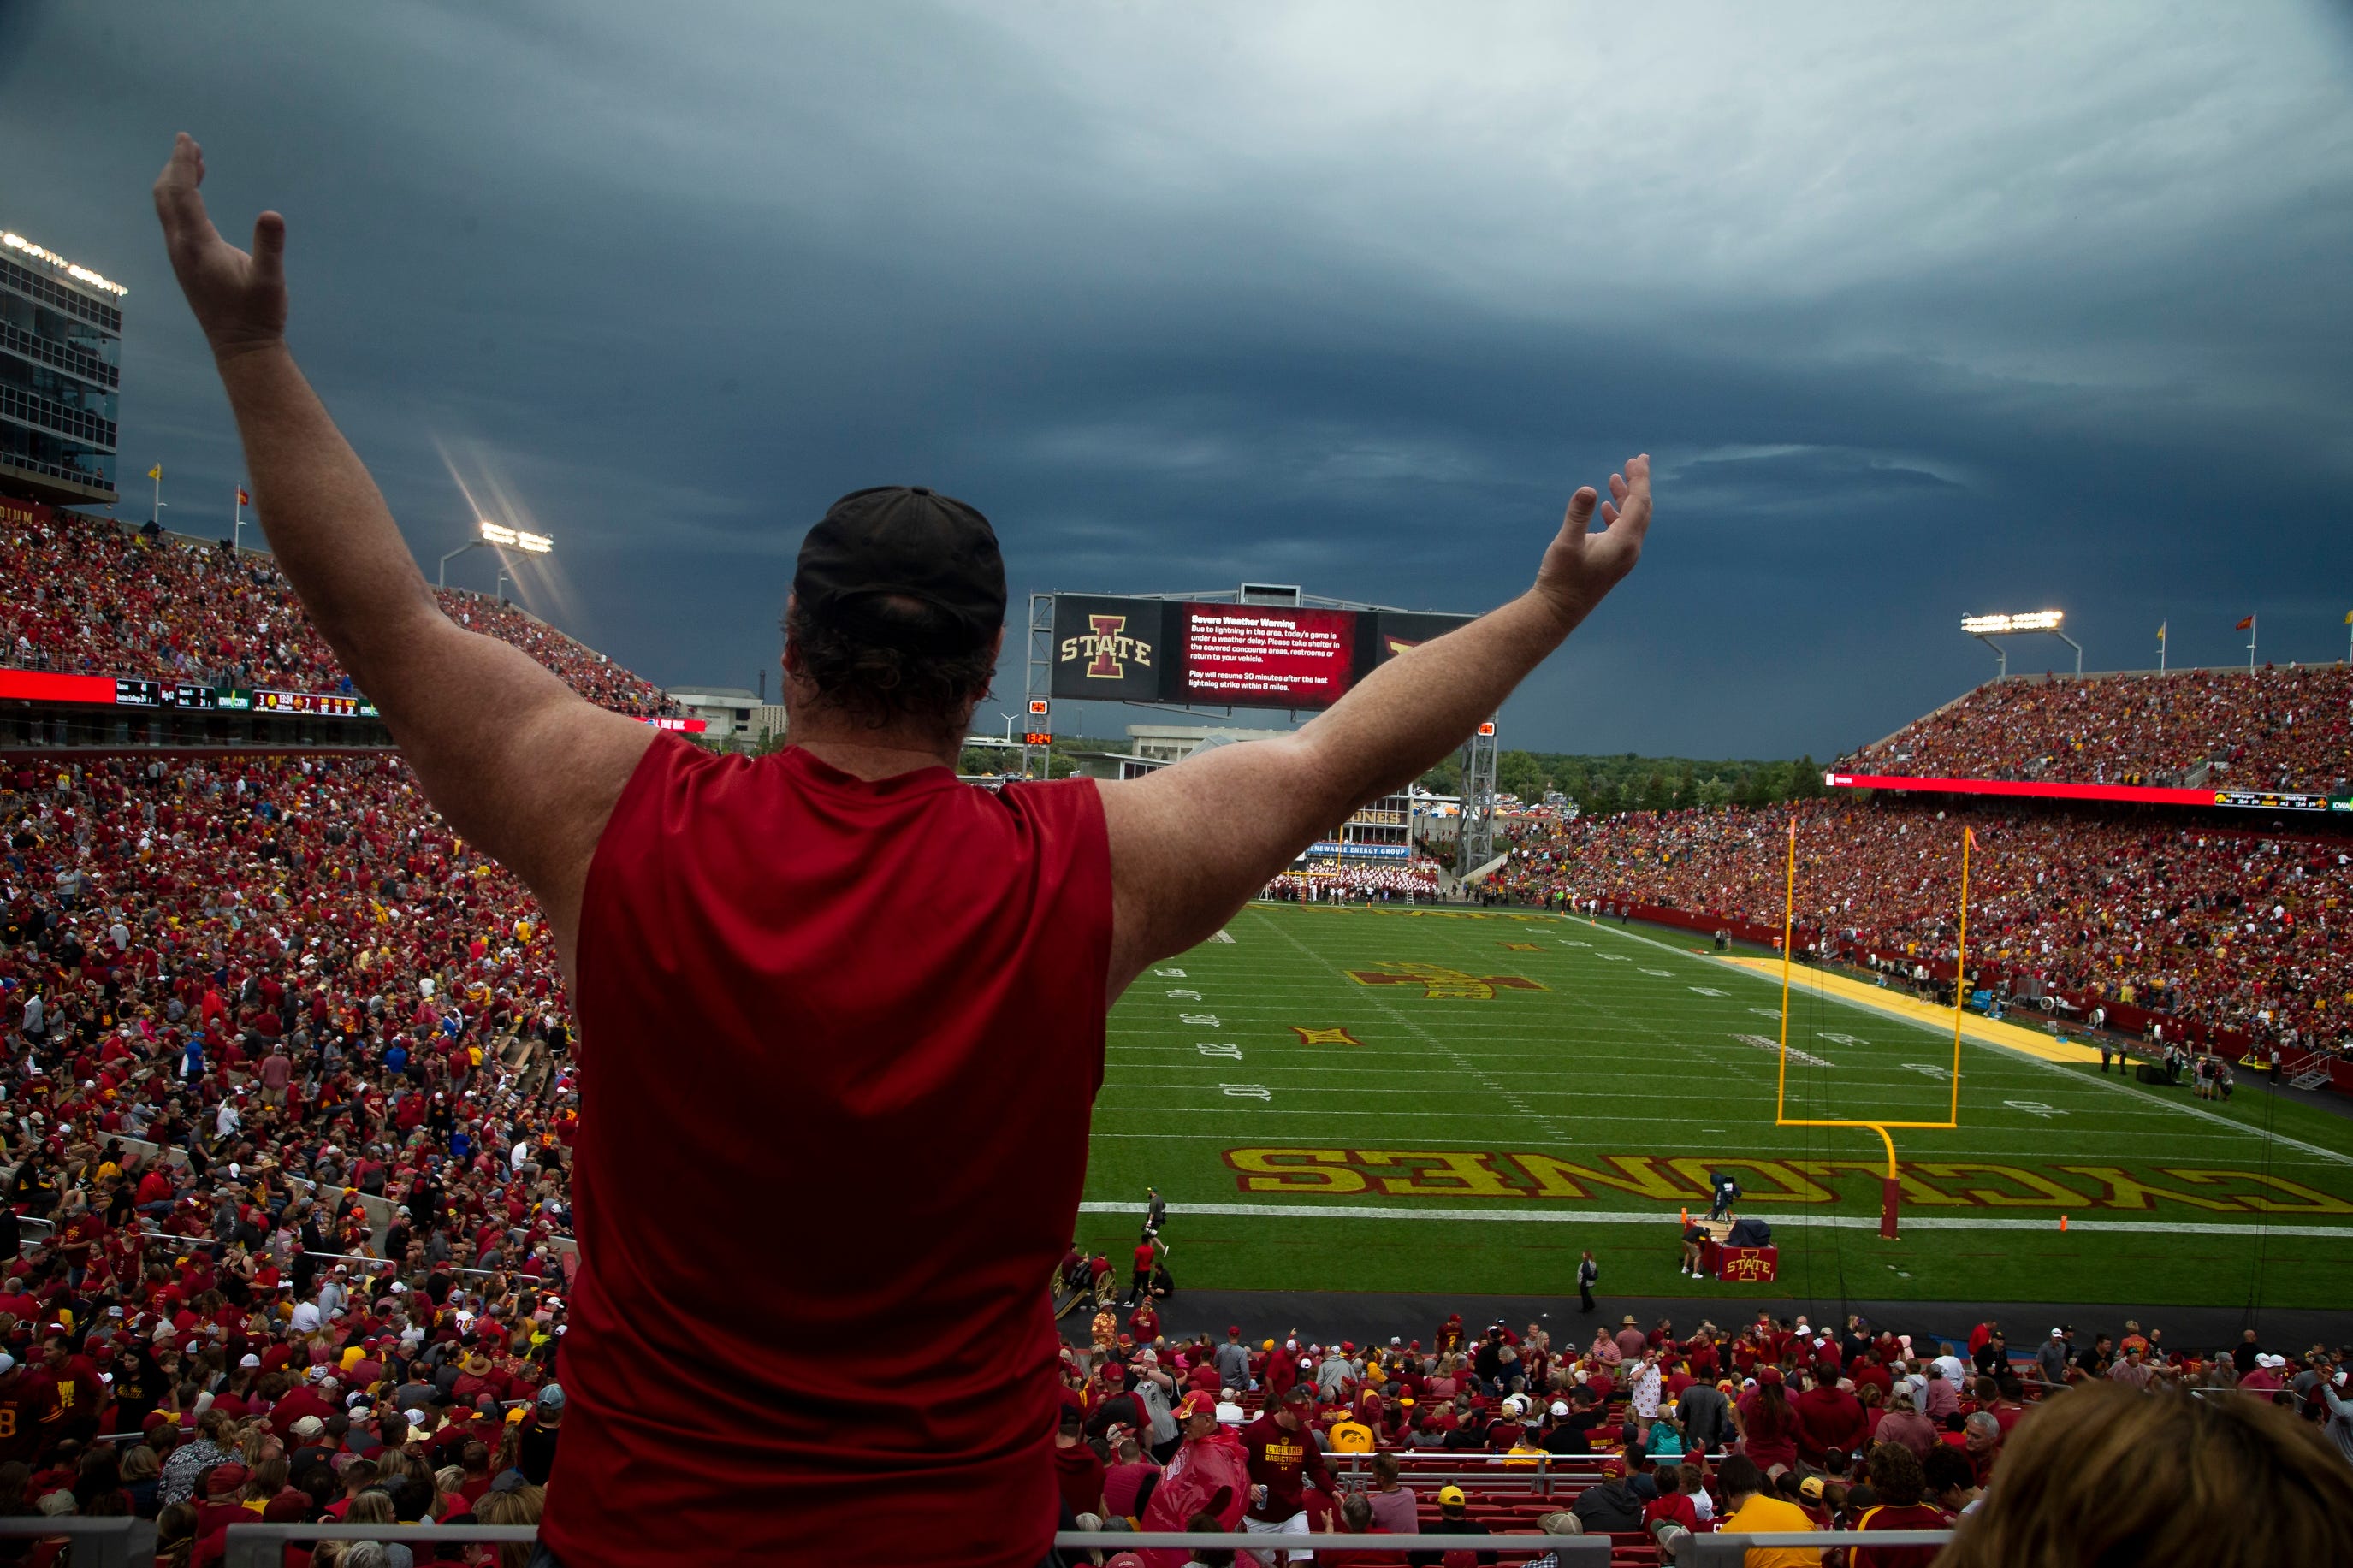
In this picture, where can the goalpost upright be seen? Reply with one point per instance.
(1890, 1187)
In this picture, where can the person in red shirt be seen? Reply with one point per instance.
(23, 1397)
(80, 1230)
(1768, 1424)
(75, 1392)
(1901, 1485)
(1284, 1460)
(1828, 1418)
(917, 931)
(1078, 1472)
(1147, 1255)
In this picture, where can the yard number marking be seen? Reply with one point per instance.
(1210, 1050)
(1169, 973)
(1926, 1070)
(1185, 996)
(2034, 1108)
(1712, 991)
(1247, 1090)
(1207, 1020)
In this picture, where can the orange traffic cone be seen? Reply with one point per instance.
(2062, 1222)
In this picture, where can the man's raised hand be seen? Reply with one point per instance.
(238, 300)
(1580, 567)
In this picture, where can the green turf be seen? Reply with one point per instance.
(1631, 1050)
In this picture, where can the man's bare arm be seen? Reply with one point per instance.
(515, 760)
(1191, 844)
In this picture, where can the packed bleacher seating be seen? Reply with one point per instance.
(2274, 728)
(87, 596)
(292, 965)
(2229, 929)
(1640, 1435)
(1376, 881)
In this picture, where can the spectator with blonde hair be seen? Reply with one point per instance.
(511, 1505)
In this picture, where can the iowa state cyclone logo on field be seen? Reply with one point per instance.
(1106, 648)
(1443, 985)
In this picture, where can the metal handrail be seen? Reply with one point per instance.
(264, 1545)
(1574, 1550)
(96, 1543)
(1721, 1550)
(261, 1545)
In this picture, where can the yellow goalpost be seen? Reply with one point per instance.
(1891, 1189)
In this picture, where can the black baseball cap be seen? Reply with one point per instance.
(901, 541)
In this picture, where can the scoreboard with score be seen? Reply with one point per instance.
(314, 703)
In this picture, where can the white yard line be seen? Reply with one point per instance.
(1542, 1123)
(2333, 1155)
(1817, 1221)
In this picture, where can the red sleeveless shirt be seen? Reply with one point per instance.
(839, 1044)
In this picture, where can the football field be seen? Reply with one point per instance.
(1453, 1099)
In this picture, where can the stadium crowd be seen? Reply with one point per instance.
(286, 1114)
(2274, 728)
(87, 596)
(287, 968)
(2221, 928)
(289, 1099)
(1648, 1435)
(1361, 880)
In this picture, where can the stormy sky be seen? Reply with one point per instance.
(1921, 311)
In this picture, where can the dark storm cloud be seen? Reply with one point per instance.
(1919, 316)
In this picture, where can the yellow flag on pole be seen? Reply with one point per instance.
(156, 472)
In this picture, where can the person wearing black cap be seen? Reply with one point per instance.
(892, 980)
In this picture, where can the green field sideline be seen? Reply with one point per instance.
(1461, 1101)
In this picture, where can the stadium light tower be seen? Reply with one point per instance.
(498, 535)
(1985, 628)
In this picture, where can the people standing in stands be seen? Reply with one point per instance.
(1285, 1461)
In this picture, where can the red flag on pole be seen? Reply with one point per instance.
(243, 498)
(2246, 626)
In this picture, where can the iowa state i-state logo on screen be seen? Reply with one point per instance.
(1110, 648)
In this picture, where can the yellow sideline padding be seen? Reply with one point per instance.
(1896, 1003)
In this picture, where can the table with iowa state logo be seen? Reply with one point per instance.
(1740, 1264)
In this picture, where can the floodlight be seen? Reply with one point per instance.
(78, 274)
(1985, 628)
(2029, 621)
(537, 543)
(498, 533)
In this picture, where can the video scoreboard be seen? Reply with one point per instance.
(1226, 654)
